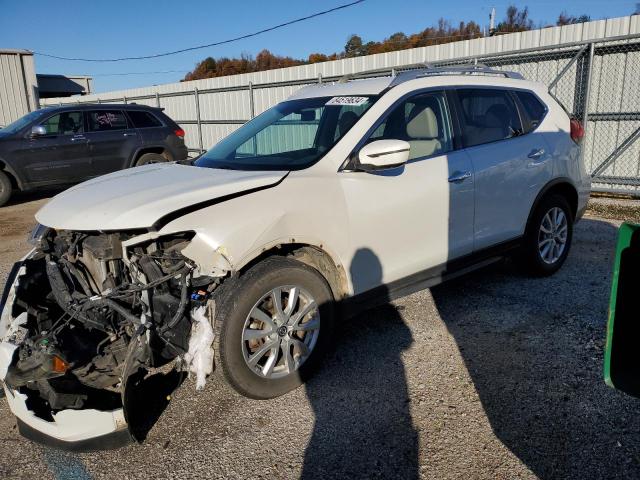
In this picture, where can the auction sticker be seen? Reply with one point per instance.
(351, 101)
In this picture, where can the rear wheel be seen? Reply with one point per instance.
(273, 323)
(148, 158)
(548, 237)
(5, 188)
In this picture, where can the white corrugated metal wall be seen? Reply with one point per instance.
(235, 105)
(18, 85)
(540, 55)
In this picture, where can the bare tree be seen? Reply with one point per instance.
(516, 20)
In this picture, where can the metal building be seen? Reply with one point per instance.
(18, 85)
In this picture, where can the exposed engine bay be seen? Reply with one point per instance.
(96, 315)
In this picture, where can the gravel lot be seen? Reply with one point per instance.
(490, 376)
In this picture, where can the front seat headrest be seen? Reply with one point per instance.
(347, 120)
(422, 123)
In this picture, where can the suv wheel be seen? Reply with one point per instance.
(548, 237)
(148, 158)
(5, 188)
(272, 325)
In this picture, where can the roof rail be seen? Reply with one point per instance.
(382, 72)
(418, 70)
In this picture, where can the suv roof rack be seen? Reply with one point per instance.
(409, 72)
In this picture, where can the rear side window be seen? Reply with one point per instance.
(487, 116)
(142, 119)
(534, 110)
(101, 120)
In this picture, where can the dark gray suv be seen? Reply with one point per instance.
(69, 144)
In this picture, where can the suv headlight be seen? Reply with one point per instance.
(36, 234)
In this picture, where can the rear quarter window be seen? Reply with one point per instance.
(141, 119)
(534, 110)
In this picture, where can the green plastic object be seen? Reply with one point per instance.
(622, 351)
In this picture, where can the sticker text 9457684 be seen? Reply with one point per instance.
(351, 101)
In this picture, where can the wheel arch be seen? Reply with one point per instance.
(159, 149)
(7, 169)
(315, 256)
(562, 186)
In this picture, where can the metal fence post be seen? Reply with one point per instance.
(252, 112)
(198, 119)
(157, 100)
(320, 78)
(124, 99)
(252, 108)
(587, 91)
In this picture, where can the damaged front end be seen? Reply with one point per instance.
(85, 320)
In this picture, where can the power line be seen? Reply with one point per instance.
(199, 47)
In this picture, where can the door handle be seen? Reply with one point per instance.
(458, 176)
(128, 134)
(536, 154)
(78, 138)
(537, 157)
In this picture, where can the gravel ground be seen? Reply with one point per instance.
(493, 375)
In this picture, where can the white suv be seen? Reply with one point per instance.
(342, 195)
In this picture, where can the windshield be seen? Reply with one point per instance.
(290, 136)
(22, 122)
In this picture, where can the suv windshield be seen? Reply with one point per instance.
(290, 136)
(22, 122)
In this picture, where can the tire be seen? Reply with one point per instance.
(148, 158)
(238, 297)
(6, 188)
(537, 256)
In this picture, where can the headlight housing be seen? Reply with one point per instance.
(36, 234)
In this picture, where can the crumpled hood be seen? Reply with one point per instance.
(138, 197)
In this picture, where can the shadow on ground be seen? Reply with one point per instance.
(536, 362)
(363, 426)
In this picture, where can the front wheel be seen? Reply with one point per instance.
(273, 323)
(548, 236)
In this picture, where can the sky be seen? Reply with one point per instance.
(117, 28)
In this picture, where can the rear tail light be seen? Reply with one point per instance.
(577, 130)
(179, 133)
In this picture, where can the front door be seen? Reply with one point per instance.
(413, 219)
(511, 166)
(112, 143)
(60, 156)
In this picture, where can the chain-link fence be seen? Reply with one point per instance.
(598, 82)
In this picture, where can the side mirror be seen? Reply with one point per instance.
(383, 154)
(38, 131)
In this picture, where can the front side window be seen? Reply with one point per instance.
(290, 136)
(487, 116)
(65, 123)
(101, 120)
(423, 121)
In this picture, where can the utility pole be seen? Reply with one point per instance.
(492, 21)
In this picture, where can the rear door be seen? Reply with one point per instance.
(112, 141)
(60, 156)
(511, 166)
